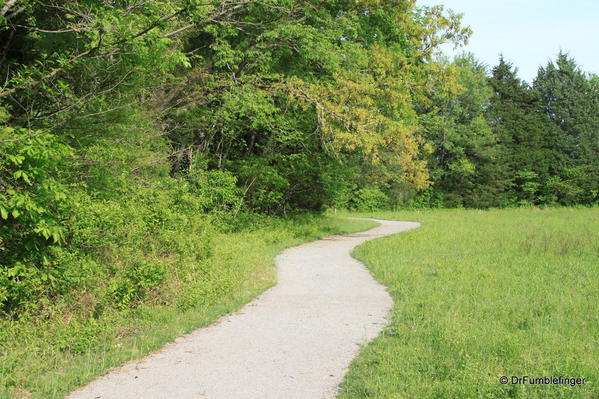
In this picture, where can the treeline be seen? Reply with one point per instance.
(132, 129)
(502, 142)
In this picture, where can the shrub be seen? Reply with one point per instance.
(137, 281)
(369, 199)
(33, 202)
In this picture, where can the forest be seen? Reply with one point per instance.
(132, 132)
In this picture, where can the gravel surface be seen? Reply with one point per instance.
(295, 341)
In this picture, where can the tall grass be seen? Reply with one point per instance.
(480, 295)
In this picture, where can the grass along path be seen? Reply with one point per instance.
(47, 359)
(294, 341)
(484, 294)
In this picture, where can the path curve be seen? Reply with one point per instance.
(295, 341)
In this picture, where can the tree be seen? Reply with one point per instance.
(570, 99)
(325, 87)
(527, 157)
(465, 148)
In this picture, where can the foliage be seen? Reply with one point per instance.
(304, 95)
(369, 200)
(499, 142)
(463, 163)
(525, 134)
(570, 98)
(31, 205)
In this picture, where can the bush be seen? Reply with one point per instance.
(137, 281)
(216, 190)
(369, 199)
(33, 203)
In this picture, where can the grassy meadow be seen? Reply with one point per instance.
(484, 294)
(48, 358)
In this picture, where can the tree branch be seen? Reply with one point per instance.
(22, 138)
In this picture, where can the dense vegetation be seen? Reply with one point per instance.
(133, 133)
(122, 120)
(507, 293)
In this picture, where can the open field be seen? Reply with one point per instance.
(47, 359)
(484, 294)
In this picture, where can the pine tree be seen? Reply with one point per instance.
(525, 136)
(570, 99)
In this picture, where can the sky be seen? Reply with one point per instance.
(530, 32)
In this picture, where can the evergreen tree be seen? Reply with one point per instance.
(570, 99)
(525, 137)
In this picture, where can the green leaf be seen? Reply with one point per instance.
(56, 236)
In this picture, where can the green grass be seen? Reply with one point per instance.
(484, 294)
(49, 358)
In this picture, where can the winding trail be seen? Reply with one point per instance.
(295, 341)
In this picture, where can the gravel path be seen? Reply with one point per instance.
(295, 341)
